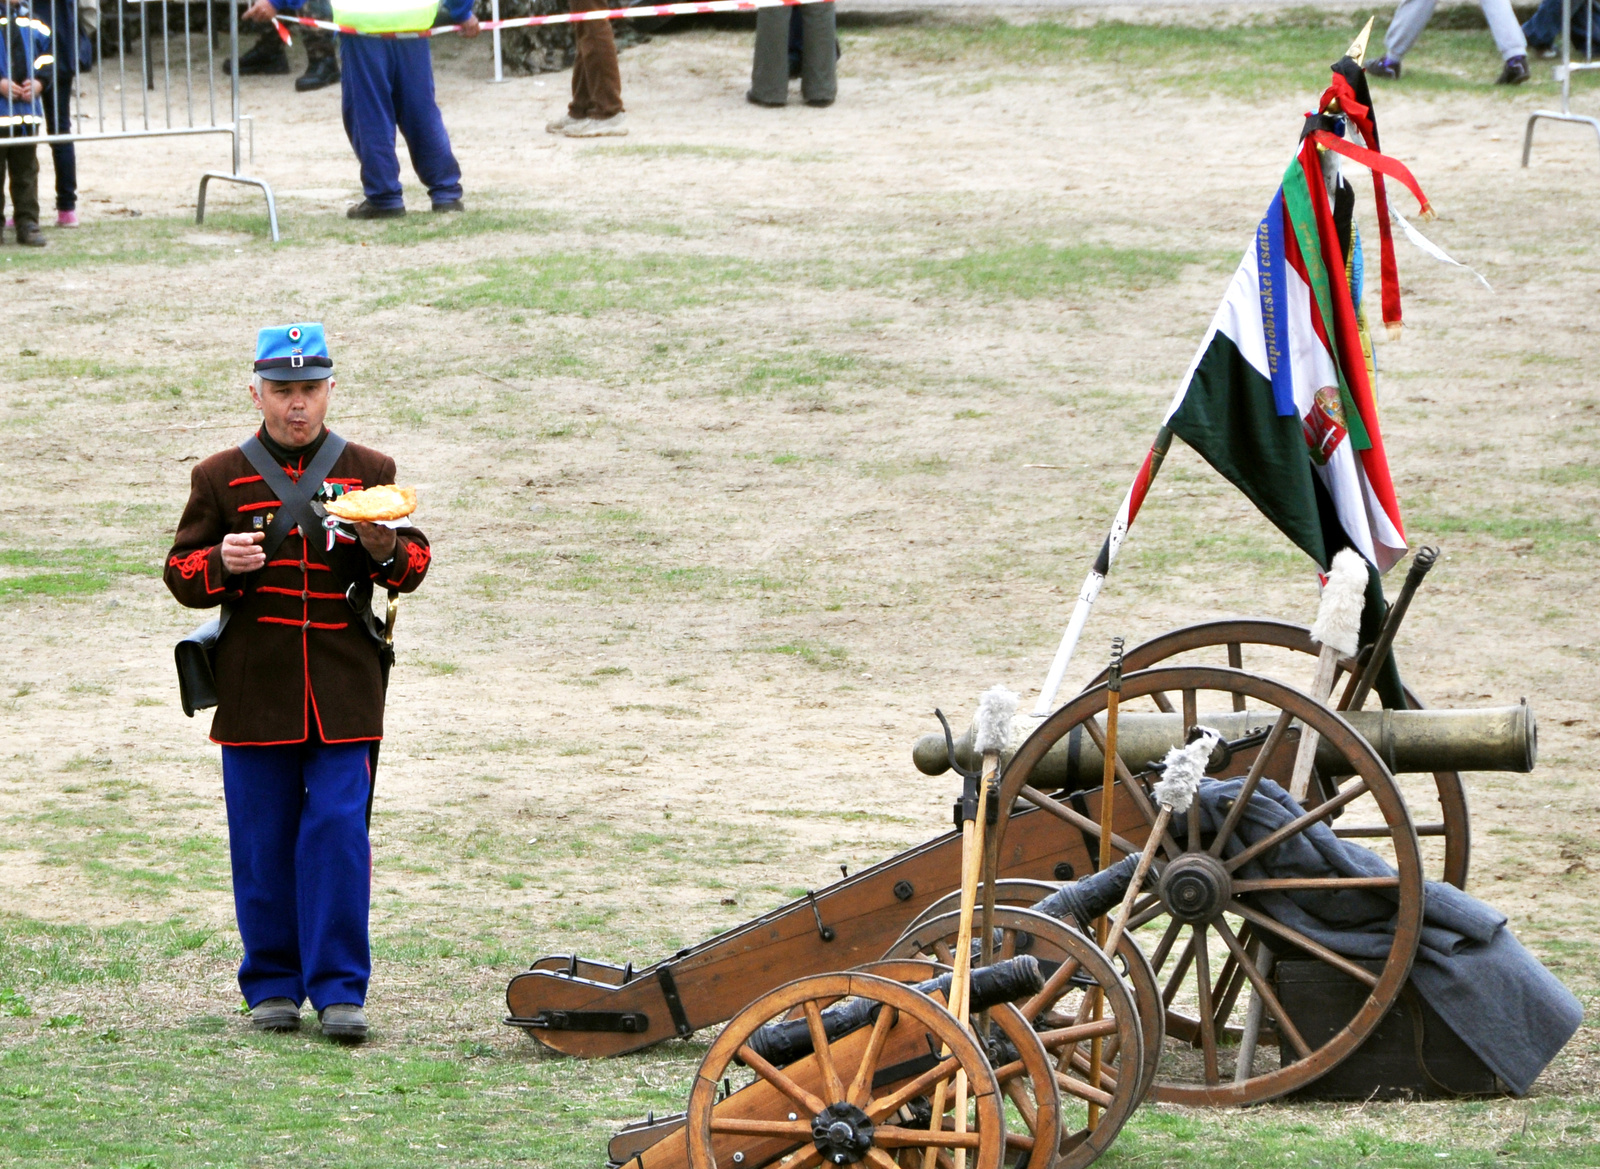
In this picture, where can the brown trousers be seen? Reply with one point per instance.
(21, 159)
(596, 80)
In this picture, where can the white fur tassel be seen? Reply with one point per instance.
(992, 724)
(1338, 623)
(1181, 773)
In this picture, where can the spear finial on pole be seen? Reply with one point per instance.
(1357, 51)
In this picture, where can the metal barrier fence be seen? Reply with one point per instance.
(181, 82)
(1564, 73)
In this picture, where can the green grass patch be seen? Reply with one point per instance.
(1042, 270)
(578, 283)
(75, 571)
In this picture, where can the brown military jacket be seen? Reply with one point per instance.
(293, 663)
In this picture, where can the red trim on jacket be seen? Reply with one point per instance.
(303, 625)
(303, 594)
(246, 479)
(258, 506)
(309, 564)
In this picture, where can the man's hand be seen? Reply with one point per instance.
(21, 90)
(261, 11)
(241, 552)
(470, 27)
(378, 540)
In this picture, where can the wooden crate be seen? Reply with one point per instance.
(1412, 1053)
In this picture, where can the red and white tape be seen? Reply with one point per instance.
(685, 9)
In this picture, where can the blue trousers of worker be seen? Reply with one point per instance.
(388, 84)
(302, 869)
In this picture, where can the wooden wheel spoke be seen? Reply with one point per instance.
(797, 1130)
(880, 1159)
(1236, 662)
(1277, 884)
(1053, 987)
(1163, 703)
(1076, 1087)
(1289, 934)
(1132, 786)
(1158, 959)
(1175, 979)
(823, 1051)
(780, 1080)
(1019, 1100)
(889, 1105)
(890, 1136)
(1015, 1140)
(1251, 780)
(1269, 1000)
(945, 952)
(1077, 1033)
(1008, 945)
(804, 1159)
(1191, 712)
(1208, 1025)
(1353, 790)
(1072, 816)
(861, 1086)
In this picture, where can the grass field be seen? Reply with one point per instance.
(743, 442)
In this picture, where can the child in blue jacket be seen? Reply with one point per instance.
(27, 69)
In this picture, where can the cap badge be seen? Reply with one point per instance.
(294, 333)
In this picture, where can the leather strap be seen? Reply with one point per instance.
(295, 497)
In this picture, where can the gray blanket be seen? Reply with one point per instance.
(1492, 992)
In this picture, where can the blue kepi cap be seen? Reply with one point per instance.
(293, 353)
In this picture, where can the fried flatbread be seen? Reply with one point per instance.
(375, 504)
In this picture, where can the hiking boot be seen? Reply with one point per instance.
(279, 1014)
(1515, 72)
(1387, 67)
(613, 127)
(560, 125)
(318, 75)
(453, 205)
(266, 56)
(29, 236)
(366, 210)
(346, 1022)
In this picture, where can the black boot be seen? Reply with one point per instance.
(266, 56)
(319, 73)
(365, 210)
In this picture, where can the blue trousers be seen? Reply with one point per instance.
(302, 869)
(389, 84)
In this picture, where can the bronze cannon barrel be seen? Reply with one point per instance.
(1494, 738)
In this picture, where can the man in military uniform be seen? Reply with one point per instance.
(300, 683)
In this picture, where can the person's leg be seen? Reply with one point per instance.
(263, 788)
(1544, 26)
(333, 862)
(25, 189)
(63, 156)
(819, 74)
(1505, 29)
(1405, 26)
(6, 165)
(769, 72)
(597, 56)
(417, 112)
(322, 54)
(369, 116)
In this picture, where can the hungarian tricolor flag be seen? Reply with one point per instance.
(1280, 397)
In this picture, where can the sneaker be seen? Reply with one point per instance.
(453, 205)
(66, 219)
(277, 1014)
(1549, 53)
(346, 1022)
(318, 75)
(750, 96)
(365, 210)
(561, 124)
(1515, 72)
(613, 127)
(29, 236)
(1387, 67)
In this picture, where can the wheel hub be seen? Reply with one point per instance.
(842, 1133)
(1195, 887)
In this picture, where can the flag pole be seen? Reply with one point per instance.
(1131, 502)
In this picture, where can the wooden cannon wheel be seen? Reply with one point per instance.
(1235, 635)
(1051, 943)
(1033, 1121)
(1061, 1016)
(826, 1106)
(1018, 891)
(1199, 894)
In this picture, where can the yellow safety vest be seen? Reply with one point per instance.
(373, 16)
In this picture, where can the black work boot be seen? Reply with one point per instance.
(275, 1014)
(344, 1022)
(29, 235)
(319, 73)
(266, 56)
(365, 210)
